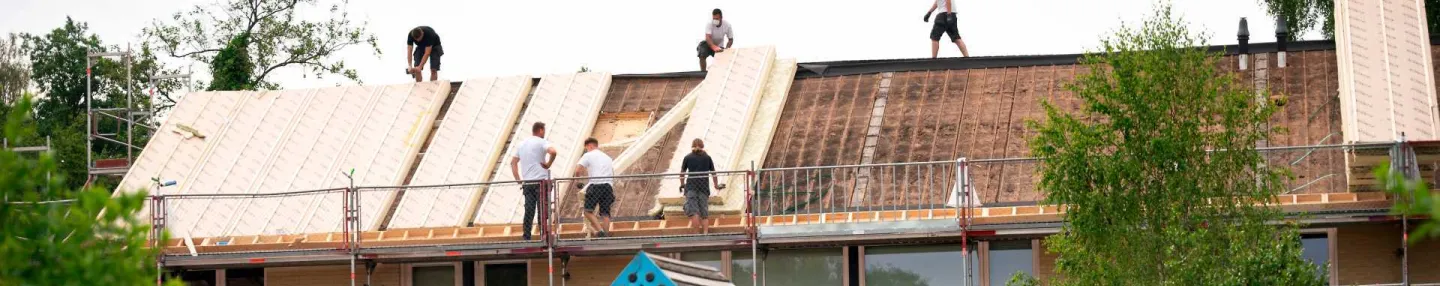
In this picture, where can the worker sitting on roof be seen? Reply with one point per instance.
(716, 32)
(430, 50)
(945, 23)
(698, 172)
(599, 194)
(531, 153)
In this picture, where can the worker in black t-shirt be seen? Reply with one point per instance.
(697, 168)
(429, 50)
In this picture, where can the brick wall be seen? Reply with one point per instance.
(584, 271)
(1044, 262)
(1367, 254)
(385, 275)
(1425, 261)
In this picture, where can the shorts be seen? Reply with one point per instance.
(704, 50)
(945, 23)
(697, 198)
(602, 195)
(434, 57)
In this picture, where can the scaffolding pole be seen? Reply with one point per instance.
(962, 174)
(750, 186)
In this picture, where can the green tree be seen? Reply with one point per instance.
(57, 62)
(1147, 204)
(14, 70)
(1413, 198)
(1303, 15)
(231, 69)
(48, 240)
(267, 32)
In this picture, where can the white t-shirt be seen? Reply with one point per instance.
(532, 153)
(719, 34)
(942, 6)
(597, 164)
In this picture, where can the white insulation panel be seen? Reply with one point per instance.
(723, 111)
(1387, 84)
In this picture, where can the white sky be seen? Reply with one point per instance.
(489, 38)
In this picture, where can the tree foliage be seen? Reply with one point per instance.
(1147, 204)
(57, 62)
(14, 70)
(1413, 197)
(272, 32)
(1303, 15)
(231, 69)
(66, 243)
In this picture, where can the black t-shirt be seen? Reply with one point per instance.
(429, 39)
(697, 162)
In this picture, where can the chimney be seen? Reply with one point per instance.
(1244, 37)
(1281, 36)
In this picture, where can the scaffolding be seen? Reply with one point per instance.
(127, 119)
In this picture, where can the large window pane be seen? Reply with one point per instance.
(1316, 249)
(741, 266)
(711, 259)
(1008, 257)
(819, 267)
(443, 275)
(506, 274)
(917, 265)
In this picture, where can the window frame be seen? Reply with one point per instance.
(479, 267)
(408, 272)
(1332, 241)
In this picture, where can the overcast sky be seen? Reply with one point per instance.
(489, 38)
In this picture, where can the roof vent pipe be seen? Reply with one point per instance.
(1282, 35)
(1244, 38)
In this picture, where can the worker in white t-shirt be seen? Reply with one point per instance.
(945, 24)
(531, 166)
(599, 191)
(717, 32)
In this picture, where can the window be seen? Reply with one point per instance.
(245, 277)
(800, 267)
(439, 275)
(917, 265)
(711, 259)
(1008, 257)
(1316, 249)
(196, 277)
(506, 274)
(742, 264)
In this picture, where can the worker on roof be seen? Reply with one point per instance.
(945, 23)
(698, 172)
(531, 166)
(429, 50)
(717, 32)
(599, 194)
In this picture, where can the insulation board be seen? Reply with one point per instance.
(569, 104)
(233, 162)
(723, 112)
(762, 128)
(309, 153)
(175, 149)
(465, 149)
(1386, 82)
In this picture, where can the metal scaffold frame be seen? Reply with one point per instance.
(127, 119)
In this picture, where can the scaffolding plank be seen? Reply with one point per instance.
(465, 150)
(723, 112)
(569, 104)
(308, 153)
(234, 162)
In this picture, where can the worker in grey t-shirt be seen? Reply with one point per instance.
(531, 166)
(717, 31)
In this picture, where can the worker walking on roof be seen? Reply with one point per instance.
(429, 50)
(699, 173)
(531, 166)
(599, 194)
(945, 23)
(716, 33)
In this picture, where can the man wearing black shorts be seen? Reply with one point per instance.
(698, 169)
(945, 23)
(717, 31)
(429, 50)
(599, 192)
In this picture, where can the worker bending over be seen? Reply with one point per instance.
(945, 23)
(531, 166)
(599, 193)
(716, 33)
(429, 50)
